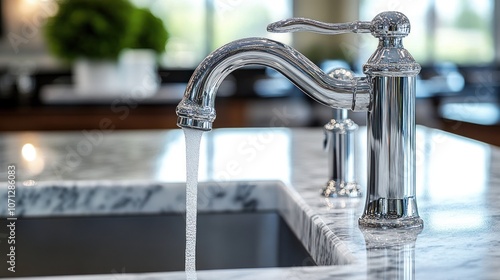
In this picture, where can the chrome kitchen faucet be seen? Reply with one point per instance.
(387, 93)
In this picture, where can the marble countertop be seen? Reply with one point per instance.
(458, 187)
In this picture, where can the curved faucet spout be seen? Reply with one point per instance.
(196, 110)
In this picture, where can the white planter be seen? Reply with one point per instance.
(139, 72)
(97, 77)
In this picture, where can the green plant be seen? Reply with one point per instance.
(148, 31)
(93, 29)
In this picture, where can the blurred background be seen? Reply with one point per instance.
(119, 64)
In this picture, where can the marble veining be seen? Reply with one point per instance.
(117, 198)
(126, 197)
(458, 188)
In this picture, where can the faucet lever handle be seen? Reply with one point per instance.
(305, 24)
(384, 25)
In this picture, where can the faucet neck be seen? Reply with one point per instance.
(196, 110)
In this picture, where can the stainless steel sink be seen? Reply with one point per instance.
(151, 243)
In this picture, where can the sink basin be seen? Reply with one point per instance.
(75, 228)
(152, 243)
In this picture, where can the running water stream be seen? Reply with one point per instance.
(193, 139)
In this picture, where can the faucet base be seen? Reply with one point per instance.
(391, 213)
(341, 189)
